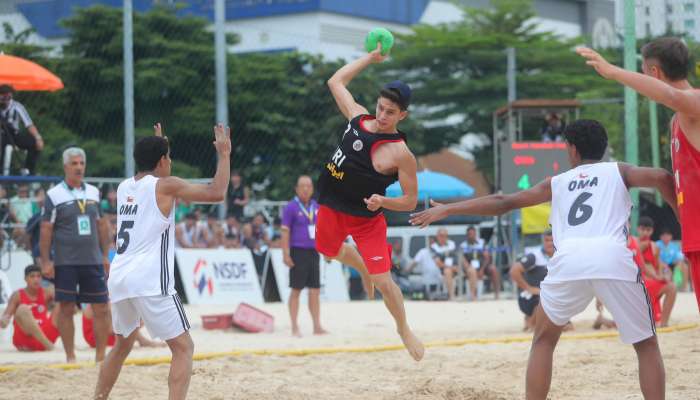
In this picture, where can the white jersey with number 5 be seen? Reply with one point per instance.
(590, 209)
(144, 263)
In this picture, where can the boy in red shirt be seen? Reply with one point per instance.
(35, 329)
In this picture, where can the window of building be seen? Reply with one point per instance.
(689, 24)
(669, 9)
(646, 11)
(689, 7)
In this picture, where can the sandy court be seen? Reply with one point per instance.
(584, 369)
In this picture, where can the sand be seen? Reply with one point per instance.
(584, 369)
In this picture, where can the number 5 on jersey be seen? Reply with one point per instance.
(123, 236)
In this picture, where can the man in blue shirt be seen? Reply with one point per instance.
(670, 254)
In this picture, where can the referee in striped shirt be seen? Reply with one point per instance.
(11, 113)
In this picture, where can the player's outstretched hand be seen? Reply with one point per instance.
(595, 60)
(222, 139)
(376, 55)
(427, 217)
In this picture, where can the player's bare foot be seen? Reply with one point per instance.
(413, 344)
(70, 360)
(296, 332)
(320, 331)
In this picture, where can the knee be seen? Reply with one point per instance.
(123, 345)
(22, 311)
(100, 311)
(66, 310)
(183, 346)
(382, 283)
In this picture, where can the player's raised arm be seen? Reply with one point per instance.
(656, 178)
(213, 192)
(339, 81)
(495, 204)
(683, 101)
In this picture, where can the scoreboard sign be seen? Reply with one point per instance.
(525, 164)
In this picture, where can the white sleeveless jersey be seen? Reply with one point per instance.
(144, 263)
(590, 210)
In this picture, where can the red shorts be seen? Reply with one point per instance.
(654, 288)
(694, 261)
(24, 342)
(89, 334)
(369, 233)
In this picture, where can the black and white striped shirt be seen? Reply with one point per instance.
(15, 113)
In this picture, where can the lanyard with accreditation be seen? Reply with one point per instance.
(83, 220)
(309, 214)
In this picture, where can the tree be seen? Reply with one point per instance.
(458, 71)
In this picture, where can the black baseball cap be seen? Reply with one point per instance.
(403, 90)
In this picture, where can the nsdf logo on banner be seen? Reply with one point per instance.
(219, 276)
(203, 281)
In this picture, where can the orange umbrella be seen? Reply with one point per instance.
(26, 75)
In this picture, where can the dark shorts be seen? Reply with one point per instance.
(81, 283)
(306, 271)
(527, 306)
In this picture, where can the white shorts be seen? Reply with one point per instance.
(627, 302)
(163, 316)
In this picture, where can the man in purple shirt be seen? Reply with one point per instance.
(298, 246)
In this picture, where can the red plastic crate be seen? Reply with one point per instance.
(252, 319)
(217, 321)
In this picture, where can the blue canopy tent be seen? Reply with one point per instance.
(435, 185)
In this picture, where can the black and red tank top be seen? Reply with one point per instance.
(348, 176)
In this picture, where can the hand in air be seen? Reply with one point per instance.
(595, 60)
(427, 217)
(375, 202)
(222, 139)
(158, 130)
(376, 55)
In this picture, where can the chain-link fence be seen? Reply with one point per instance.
(283, 118)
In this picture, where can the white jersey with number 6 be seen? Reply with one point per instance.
(144, 263)
(590, 209)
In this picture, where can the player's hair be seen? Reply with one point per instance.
(589, 137)
(73, 152)
(471, 228)
(646, 222)
(547, 233)
(191, 215)
(148, 151)
(666, 231)
(31, 268)
(6, 89)
(393, 96)
(672, 54)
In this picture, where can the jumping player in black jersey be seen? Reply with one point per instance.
(372, 155)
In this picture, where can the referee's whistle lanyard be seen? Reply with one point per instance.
(309, 213)
(81, 204)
